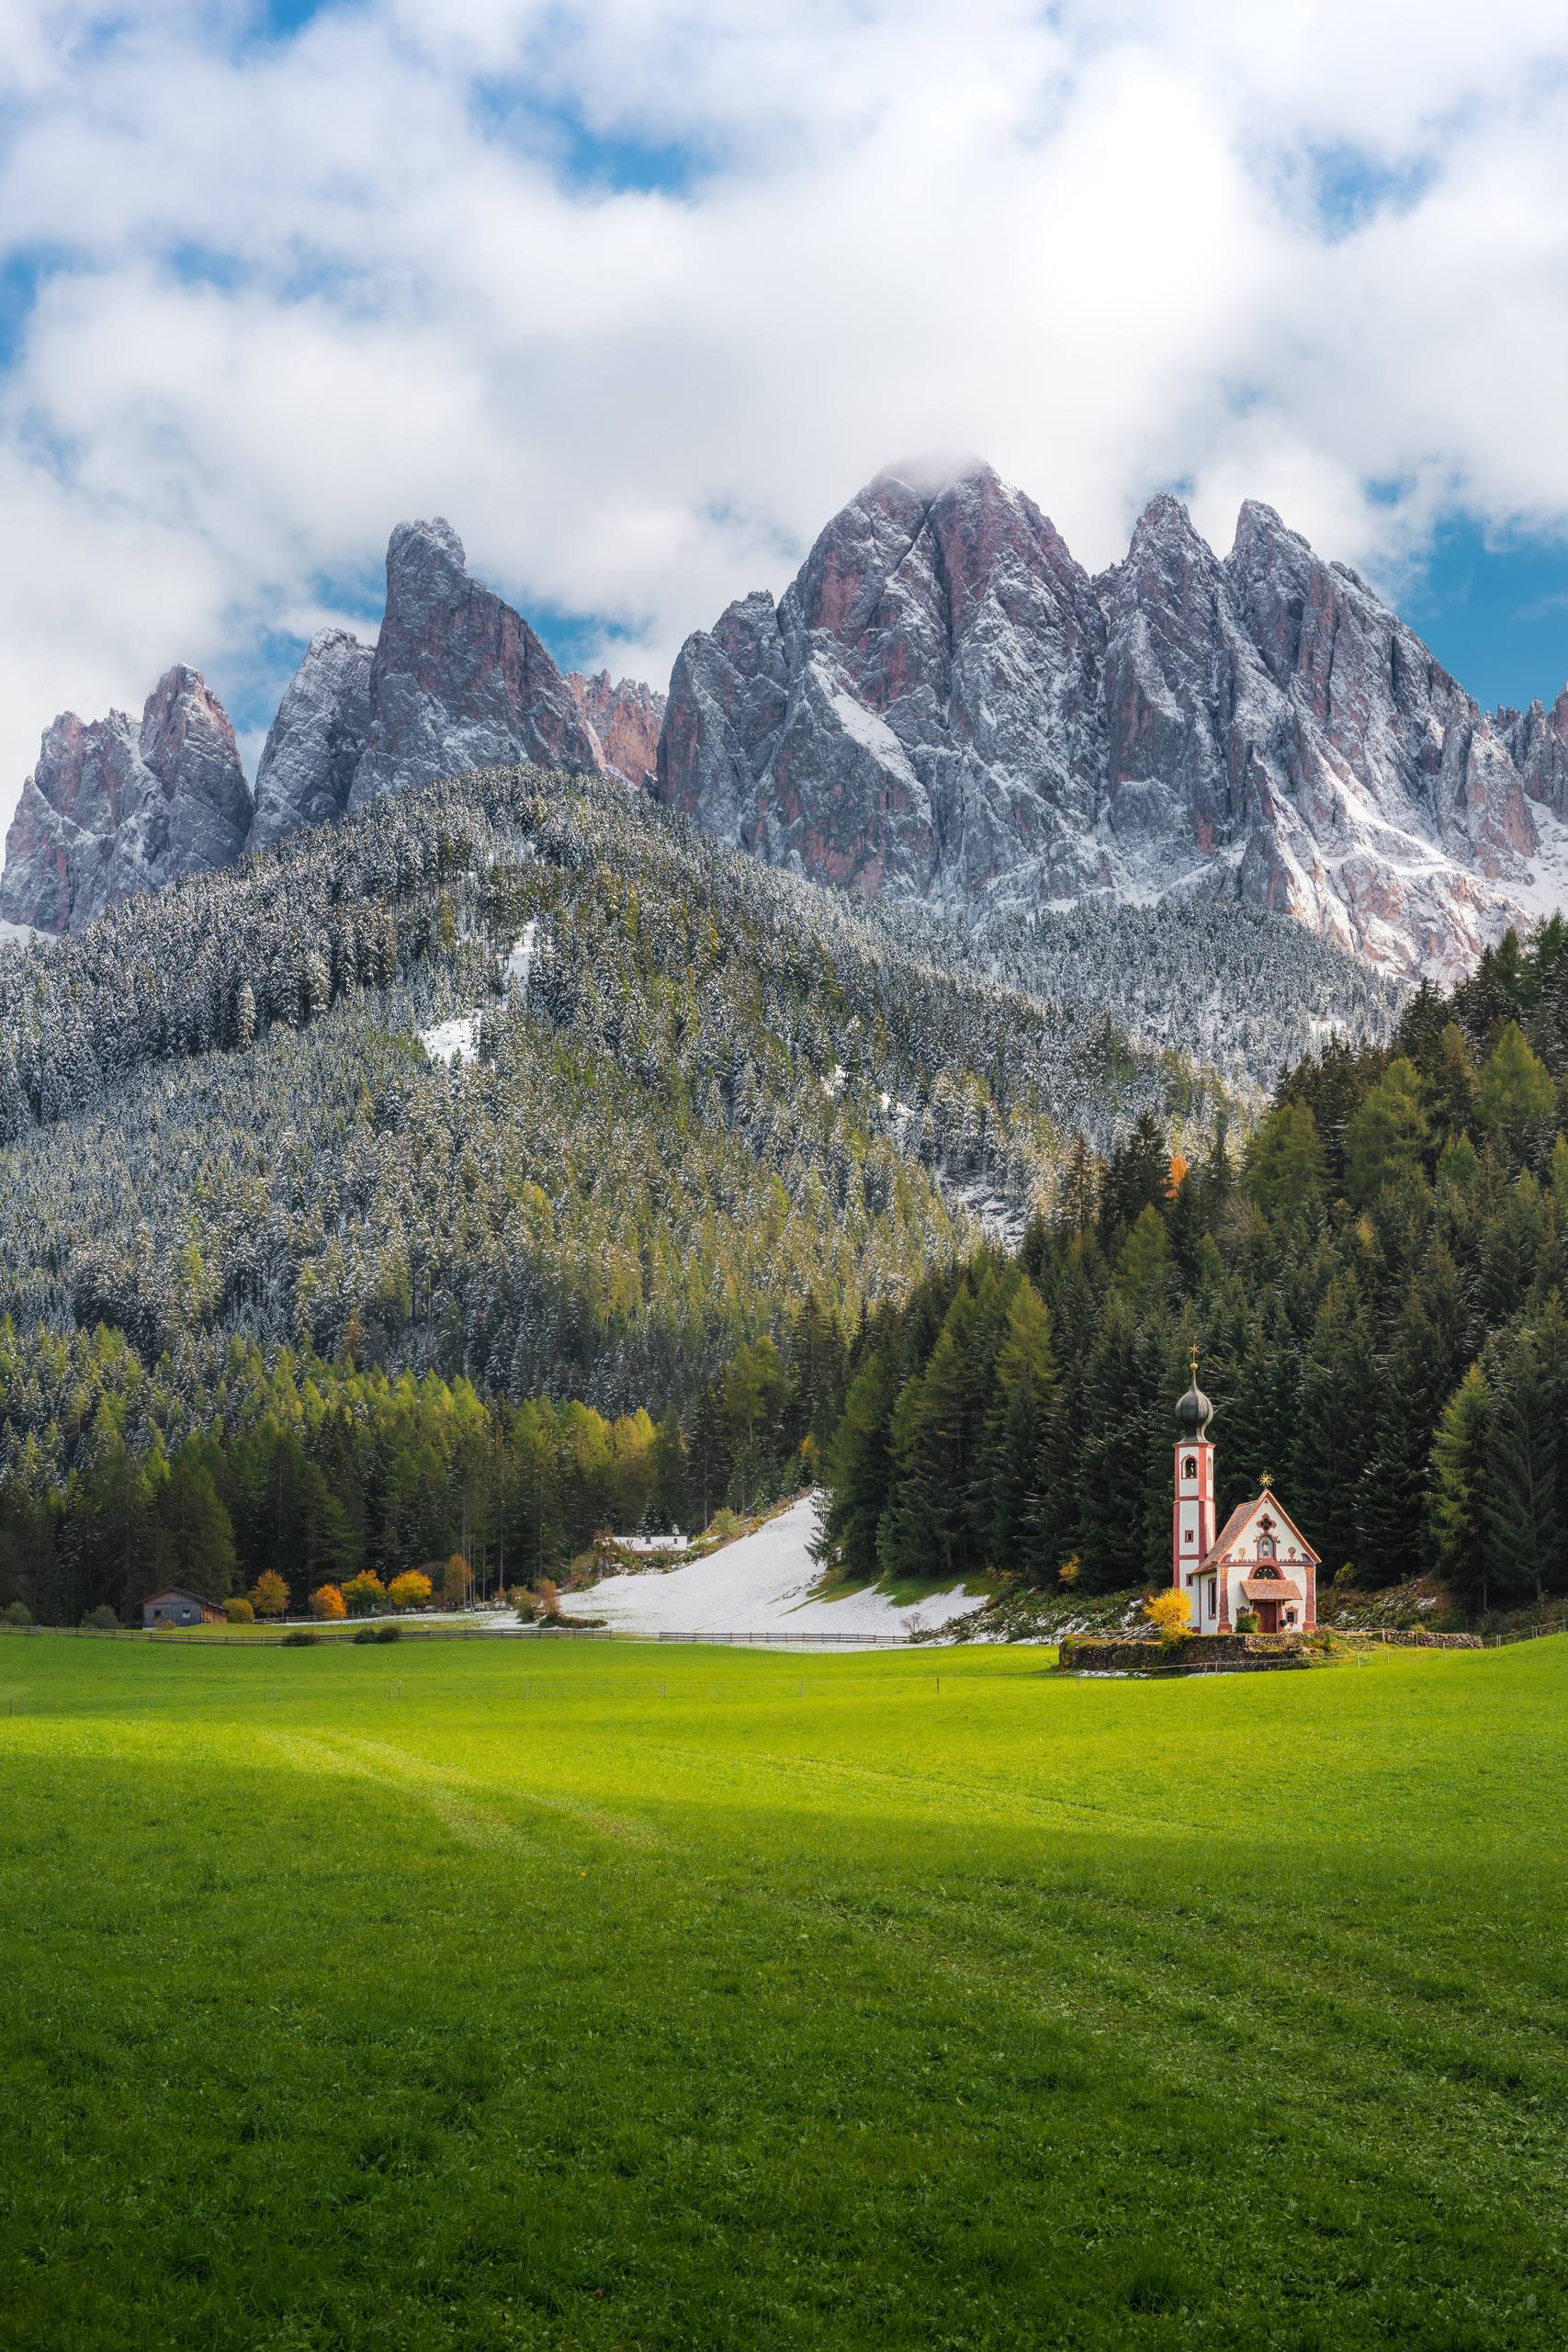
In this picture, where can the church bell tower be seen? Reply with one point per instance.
(1192, 1514)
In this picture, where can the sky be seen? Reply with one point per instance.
(638, 293)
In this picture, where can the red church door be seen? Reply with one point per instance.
(1268, 1616)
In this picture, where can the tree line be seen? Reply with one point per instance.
(223, 1465)
(1376, 1287)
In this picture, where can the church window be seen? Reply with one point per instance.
(1266, 1547)
(1189, 1467)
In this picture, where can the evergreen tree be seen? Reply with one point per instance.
(1385, 1138)
(1287, 1167)
(860, 1466)
(198, 1537)
(1028, 1495)
(1417, 1374)
(1460, 1490)
(1515, 1096)
(1331, 1425)
(1522, 1526)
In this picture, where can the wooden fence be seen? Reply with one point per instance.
(335, 1633)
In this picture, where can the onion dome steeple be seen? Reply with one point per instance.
(1193, 1411)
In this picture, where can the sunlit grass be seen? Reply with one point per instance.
(495, 1996)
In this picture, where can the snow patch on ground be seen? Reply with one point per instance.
(456, 1042)
(453, 1042)
(520, 963)
(1000, 1219)
(757, 1585)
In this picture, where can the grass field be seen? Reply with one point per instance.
(502, 1995)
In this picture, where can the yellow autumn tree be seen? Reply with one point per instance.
(1168, 1614)
(362, 1595)
(327, 1603)
(456, 1582)
(411, 1590)
(269, 1595)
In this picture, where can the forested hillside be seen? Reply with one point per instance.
(705, 1094)
(1376, 1292)
(1246, 992)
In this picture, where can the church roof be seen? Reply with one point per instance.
(1236, 1525)
(1268, 1589)
(1229, 1532)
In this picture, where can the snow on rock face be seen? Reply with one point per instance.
(317, 739)
(625, 717)
(114, 807)
(918, 714)
(458, 680)
(944, 708)
(1537, 741)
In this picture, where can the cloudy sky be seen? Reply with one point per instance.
(637, 292)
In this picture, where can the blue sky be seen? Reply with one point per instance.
(1494, 611)
(638, 293)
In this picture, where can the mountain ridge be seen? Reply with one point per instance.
(457, 681)
(946, 707)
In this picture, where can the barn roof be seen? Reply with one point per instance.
(178, 1592)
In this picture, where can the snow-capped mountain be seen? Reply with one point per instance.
(457, 680)
(119, 806)
(944, 706)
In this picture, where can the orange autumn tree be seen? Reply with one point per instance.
(269, 1594)
(327, 1603)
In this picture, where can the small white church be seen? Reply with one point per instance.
(1260, 1560)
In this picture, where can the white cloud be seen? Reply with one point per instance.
(299, 288)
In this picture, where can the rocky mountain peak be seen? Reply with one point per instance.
(1164, 519)
(943, 706)
(625, 717)
(114, 807)
(420, 544)
(458, 679)
(317, 739)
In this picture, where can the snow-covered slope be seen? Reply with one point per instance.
(759, 1583)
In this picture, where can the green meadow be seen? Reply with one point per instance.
(495, 1996)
